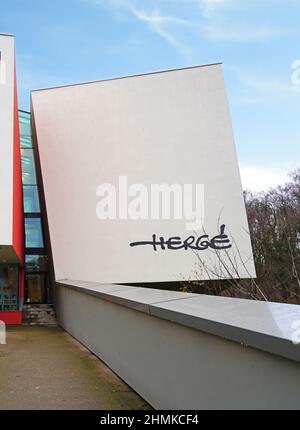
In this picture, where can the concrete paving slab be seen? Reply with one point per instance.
(45, 368)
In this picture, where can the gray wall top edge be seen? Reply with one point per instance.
(267, 326)
(248, 337)
(155, 72)
(137, 298)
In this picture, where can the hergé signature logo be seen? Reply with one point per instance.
(201, 243)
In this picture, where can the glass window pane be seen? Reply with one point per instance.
(26, 141)
(33, 233)
(24, 121)
(25, 129)
(31, 199)
(28, 167)
(9, 288)
(36, 263)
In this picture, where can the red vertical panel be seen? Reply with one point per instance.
(15, 317)
(18, 221)
(11, 318)
(18, 213)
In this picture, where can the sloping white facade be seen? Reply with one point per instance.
(170, 128)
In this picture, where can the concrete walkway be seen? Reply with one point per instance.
(45, 368)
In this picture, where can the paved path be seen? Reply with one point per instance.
(45, 368)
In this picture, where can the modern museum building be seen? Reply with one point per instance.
(83, 174)
(111, 193)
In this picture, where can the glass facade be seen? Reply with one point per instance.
(36, 260)
(9, 288)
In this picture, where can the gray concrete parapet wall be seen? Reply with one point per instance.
(188, 351)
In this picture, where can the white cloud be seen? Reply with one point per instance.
(208, 6)
(221, 25)
(231, 33)
(265, 86)
(272, 86)
(158, 23)
(256, 178)
(203, 22)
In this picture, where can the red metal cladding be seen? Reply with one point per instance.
(15, 318)
(18, 212)
(18, 221)
(11, 318)
(11, 217)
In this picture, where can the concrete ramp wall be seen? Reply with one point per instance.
(185, 351)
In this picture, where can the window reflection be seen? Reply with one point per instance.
(36, 263)
(31, 199)
(33, 233)
(26, 141)
(24, 121)
(28, 167)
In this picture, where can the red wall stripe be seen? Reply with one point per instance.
(18, 213)
(18, 221)
(11, 318)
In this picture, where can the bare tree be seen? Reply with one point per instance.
(274, 224)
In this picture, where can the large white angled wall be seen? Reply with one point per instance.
(172, 127)
(7, 51)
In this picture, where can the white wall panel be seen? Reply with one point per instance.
(6, 137)
(172, 127)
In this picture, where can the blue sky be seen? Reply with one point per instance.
(66, 41)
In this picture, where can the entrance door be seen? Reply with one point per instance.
(35, 288)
